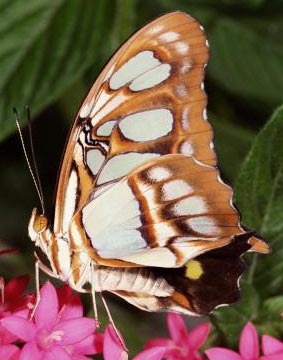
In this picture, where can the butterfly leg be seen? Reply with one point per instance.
(112, 322)
(37, 287)
(93, 295)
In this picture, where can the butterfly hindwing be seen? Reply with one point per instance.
(199, 286)
(165, 212)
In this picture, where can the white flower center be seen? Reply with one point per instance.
(46, 340)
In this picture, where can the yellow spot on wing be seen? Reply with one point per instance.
(193, 269)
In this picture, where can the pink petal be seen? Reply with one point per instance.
(92, 344)
(9, 352)
(15, 288)
(47, 310)
(222, 354)
(271, 345)
(31, 351)
(176, 327)
(112, 346)
(6, 337)
(159, 342)
(22, 328)
(24, 313)
(249, 345)
(72, 309)
(156, 353)
(75, 330)
(70, 305)
(80, 357)
(56, 353)
(198, 336)
(278, 356)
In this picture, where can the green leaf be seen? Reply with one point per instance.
(246, 62)
(231, 142)
(45, 47)
(229, 321)
(273, 307)
(271, 316)
(124, 22)
(259, 196)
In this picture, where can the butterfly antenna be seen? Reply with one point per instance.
(34, 158)
(37, 186)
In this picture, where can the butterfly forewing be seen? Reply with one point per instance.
(148, 101)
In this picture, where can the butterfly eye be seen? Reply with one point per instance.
(40, 223)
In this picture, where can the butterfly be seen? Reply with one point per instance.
(141, 210)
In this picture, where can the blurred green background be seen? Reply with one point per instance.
(52, 51)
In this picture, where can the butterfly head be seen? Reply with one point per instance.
(39, 231)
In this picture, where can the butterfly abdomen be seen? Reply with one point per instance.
(140, 280)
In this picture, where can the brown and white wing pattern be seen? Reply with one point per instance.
(197, 288)
(148, 101)
(139, 192)
(165, 212)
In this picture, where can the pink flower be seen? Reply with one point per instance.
(248, 347)
(54, 333)
(114, 347)
(13, 302)
(272, 348)
(183, 345)
(13, 299)
(9, 352)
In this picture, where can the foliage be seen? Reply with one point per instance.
(259, 192)
(50, 53)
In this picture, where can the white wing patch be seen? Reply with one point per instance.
(159, 173)
(169, 36)
(204, 225)
(192, 205)
(107, 108)
(106, 128)
(151, 78)
(111, 222)
(64, 257)
(182, 48)
(147, 125)
(161, 257)
(86, 109)
(100, 101)
(94, 159)
(134, 72)
(70, 201)
(175, 189)
(187, 148)
(121, 165)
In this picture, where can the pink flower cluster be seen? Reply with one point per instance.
(59, 330)
(184, 345)
(249, 348)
